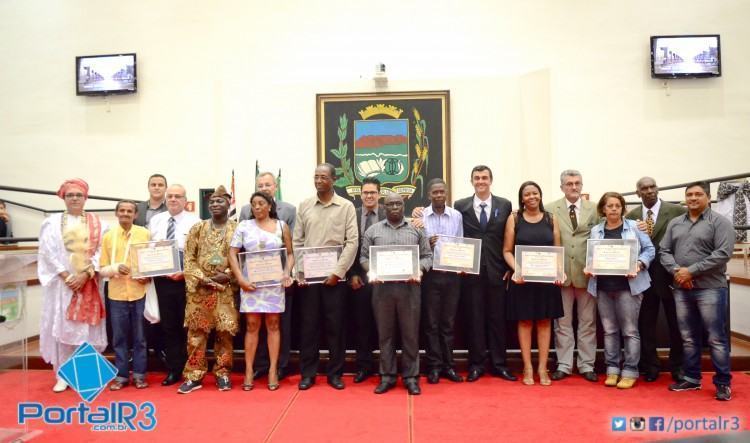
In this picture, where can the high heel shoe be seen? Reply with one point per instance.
(544, 379)
(247, 386)
(528, 376)
(273, 386)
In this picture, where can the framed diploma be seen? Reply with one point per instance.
(264, 268)
(315, 265)
(154, 258)
(457, 254)
(394, 263)
(541, 264)
(612, 256)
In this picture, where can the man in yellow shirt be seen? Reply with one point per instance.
(126, 295)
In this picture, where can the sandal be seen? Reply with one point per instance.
(140, 384)
(117, 385)
(247, 386)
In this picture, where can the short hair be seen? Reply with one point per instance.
(603, 202)
(330, 167)
(642, 179)
(435, 181)
(135, 205)
(703, 184)
(266, 173)
(569, 173)
(372, 181)
(2, 203)
(158, 176)
(480, 168)
(520, 195)
(272, 212)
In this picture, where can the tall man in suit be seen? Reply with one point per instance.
(653, 217)
(266, 183)
(576, 217)
(483, 296)
(360, 299)
(156, 203)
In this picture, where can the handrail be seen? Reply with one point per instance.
(710, 180)
(52, 211)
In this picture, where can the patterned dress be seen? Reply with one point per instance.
(269, 299)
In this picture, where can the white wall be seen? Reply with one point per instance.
(536, 87)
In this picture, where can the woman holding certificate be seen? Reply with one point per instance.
(618, 276)
(262, 295)
(528, 302)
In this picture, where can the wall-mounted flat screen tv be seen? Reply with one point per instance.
(106, 74)
(685, 56)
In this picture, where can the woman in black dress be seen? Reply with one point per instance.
(531, 303)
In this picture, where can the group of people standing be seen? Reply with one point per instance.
(681, 266)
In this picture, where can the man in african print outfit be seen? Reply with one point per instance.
(210, 295)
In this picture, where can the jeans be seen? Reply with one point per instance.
(619, 311)
(127, 318)
(709, 307)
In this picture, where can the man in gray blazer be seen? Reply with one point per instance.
(266, 183)
(653, 216)
(156, 203)
(576, 217)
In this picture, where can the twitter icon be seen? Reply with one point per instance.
(619, 424)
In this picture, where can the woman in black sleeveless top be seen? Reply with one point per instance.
(531, 303)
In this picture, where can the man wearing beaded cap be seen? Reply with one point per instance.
(72, 308)
(210, 295)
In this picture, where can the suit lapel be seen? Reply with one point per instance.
(563, 213)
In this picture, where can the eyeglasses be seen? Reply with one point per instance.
(71, 195)
(370, 193)
(573, 184)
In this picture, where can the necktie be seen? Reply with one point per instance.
(483, 216)
(650, 223)
(573, 218)
(368, 221)
(170, 229)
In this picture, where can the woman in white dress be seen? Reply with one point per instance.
(72, 306)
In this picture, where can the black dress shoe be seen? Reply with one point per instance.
(433, 377)
(590, 376)
(384, 386)
(412, 387)
(558, 375)
(171, 379)
(361, 376)
(474, 375)
(651, 376)
(451, 375)
(306, 383)
(335, 382)
(505, 375)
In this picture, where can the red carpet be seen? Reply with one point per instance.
(488, 410)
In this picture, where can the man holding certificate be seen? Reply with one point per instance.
(440, 291)
(325, 220)
(396, 300)
(170, 290)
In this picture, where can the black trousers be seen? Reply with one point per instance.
(658, 293)
(322, 304)
(262, 362)
(483, 304)
(171, 296)
(440, 295)
(359, 306)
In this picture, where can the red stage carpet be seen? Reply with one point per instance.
(488, 410)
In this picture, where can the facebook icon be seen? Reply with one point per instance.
(656, 424)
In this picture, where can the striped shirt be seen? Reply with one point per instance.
(450, 222)
(383, 233)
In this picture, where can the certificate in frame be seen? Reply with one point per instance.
(540, 264)
(315, 264)
(394, 263)
(154, 259)
(457, 254)
(612, 256)
(264, 268)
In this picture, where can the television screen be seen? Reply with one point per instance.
(685, 56)
(106, 74)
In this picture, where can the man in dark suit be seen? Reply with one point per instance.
(360, 300)
(653, 217)
(156, 203)
(483, 296)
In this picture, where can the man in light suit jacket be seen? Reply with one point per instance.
(483, 296)
(576, 217)
(266, 183)
(653, 217)
(360, 300)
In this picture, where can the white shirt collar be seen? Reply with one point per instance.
(654, 208)
(478, 201)
(577, 204)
